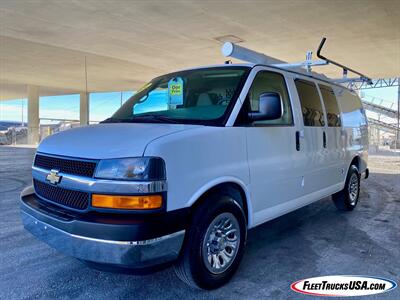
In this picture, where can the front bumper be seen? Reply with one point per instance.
(138, 254)
(133, 244)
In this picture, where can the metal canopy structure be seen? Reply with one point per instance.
(383, 125)
(126, 43)
(377, 83)
(379, 109)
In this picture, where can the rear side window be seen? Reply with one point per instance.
(311, 107)
(331, 106)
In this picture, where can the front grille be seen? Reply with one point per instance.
(74, 199)
(64, 165)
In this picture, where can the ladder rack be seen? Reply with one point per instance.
(232, 50)
(345, 69)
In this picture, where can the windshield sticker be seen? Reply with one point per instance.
(175, 91)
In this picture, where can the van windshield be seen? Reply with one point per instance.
(201, 96)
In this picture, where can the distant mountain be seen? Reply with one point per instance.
(4, 125)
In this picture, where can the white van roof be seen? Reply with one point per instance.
(299, 71)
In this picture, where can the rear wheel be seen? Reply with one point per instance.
(347, 198)
(214, 243)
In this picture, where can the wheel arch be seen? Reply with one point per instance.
(356, 161)
(231, 184)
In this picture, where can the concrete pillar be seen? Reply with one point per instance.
(33, 114)
(397, 143)
(84, 109)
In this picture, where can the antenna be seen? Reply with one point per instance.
(345, 69)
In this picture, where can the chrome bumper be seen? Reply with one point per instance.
(135, 254)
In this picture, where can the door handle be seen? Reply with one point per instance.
(324, 139)
(298, 140)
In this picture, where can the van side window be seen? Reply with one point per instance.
(270, 82)
(311, 107)
(331, 105)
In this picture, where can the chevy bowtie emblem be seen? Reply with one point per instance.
(53, 177)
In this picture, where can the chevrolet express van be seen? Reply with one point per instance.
(191, 162)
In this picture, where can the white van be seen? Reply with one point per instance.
(191, 162)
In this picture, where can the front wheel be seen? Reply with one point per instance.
(214, 244)
(347, 198)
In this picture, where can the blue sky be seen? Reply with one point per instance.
(387, 95)
(103, 105)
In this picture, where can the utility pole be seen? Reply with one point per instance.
(22, 112)
(397, 142)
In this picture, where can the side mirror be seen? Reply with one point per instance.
(270, 107)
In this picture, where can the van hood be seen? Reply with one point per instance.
(104, 141)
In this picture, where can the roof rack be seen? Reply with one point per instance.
(232, 50)
(345, 69)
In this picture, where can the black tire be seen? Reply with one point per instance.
(191, 267)
(347, 198)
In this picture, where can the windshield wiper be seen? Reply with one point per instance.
(142, 119)
(149, 118)
(112, 120)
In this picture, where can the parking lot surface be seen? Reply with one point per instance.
(314, 241)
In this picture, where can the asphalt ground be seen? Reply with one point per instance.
(313, 241)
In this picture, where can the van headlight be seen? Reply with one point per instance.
(135, 168)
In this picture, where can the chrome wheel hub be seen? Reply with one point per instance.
(353, 188)
(221, 243)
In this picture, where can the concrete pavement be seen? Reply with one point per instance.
(313, 241)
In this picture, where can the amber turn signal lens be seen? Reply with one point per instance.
(127, 202)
